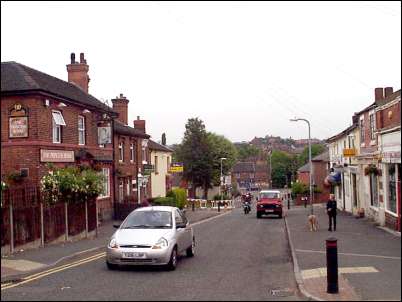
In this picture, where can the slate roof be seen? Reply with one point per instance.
(305, 168)
(320, 157)
(120, 128)
(158, 147)
(17, 78)
(244, 167)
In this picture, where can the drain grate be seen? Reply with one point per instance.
(281, 292)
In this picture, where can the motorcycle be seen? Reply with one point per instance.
(247, 207)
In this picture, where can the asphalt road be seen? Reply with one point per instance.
(238, 257)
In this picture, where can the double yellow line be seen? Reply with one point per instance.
(52, 271)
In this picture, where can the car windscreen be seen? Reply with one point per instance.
(148, 219)
(269, 195)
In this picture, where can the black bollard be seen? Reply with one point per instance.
(192, 206)
(332, 266)
(219, 206)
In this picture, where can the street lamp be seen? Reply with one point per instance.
(139, 184)
(220, 187)
(270, 169)
(309, 157)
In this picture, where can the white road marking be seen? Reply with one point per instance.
(322, 271)
(351, 254)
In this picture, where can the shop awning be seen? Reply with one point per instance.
(333, 178)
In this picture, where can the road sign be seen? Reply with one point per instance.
(176, 168)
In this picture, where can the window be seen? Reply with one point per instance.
(132, 152)
(373, 190)
(178, 218)
(81, 130)
(58, 121)
(372, 126)
(156, 165)
(362, 132)
(392, 189)
(128, 186)
(121, 191)
(144, 155)
(106, 183)
(121, 152)
(168, 163)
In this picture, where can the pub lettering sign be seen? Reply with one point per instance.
(56, 156)
(18, 126)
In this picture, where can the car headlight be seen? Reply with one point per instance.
(162, 243)
(113, 244)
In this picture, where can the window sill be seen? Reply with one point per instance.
(102, 197)
(391, 213)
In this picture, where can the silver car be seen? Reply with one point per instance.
(151, 236)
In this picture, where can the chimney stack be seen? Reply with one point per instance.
(379, 94)
(139, 124)
(78, 72)
(120, 105)
(388, 91)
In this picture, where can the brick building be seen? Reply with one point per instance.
(320, 165)
(129, 158)
(243, 173)
(48, 120)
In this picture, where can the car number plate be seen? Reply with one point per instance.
(133, 255)
(269, 211)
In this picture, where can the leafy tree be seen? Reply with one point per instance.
(221, 147)
(284, 165)
(245, 151)
(316, 149)
(195, 154)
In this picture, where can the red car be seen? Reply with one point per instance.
(269, 202)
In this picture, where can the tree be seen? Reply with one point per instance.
(282, 168)
(316, 149)
(221, 147)
(245, 151)
(195, 154)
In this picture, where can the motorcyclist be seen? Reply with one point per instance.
(247, 201)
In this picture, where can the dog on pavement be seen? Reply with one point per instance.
(313, 222)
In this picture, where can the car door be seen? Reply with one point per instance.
(180, 232)
(188, 235)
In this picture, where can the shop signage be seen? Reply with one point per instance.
(176, 168)
(349, 152)
(104, 135)
(56, 156)
(148, 169)
(391, 157)
(18, 126)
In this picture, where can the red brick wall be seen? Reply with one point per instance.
(391, 221)
(304, 177)
(389, 117)
(17, 153)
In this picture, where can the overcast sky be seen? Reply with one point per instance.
(244, 68)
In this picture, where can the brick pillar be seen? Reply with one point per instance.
(120, 105)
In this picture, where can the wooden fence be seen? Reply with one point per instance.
(28, 222)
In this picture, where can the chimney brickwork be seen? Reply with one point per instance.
(120, 105)
(78, 72)
(139, 124)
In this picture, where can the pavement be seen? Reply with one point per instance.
(369, 257)
(25, 262)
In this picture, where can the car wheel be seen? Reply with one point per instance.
(111, 266)
(191, 250)
(258, 215)
(173, 260)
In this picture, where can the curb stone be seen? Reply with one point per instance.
(296, 269)
(18, 277)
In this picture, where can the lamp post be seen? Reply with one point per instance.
(309, 157)
(270, 169)
(220, 187)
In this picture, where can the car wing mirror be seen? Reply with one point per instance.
(180, 225)
(116, 225)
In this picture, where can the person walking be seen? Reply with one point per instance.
(331, 211)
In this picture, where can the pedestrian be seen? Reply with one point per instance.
(331, 211)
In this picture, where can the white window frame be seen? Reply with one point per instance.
(121, 152)
(131, 152)
(128, 187)
(81, 130)
(106, 183)
(57, 122)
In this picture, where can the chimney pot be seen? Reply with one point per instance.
(82, 59)
(138, 117)
(388, 91)
(121, 95)
(72, 58)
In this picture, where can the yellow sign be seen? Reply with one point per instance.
(176, 168)
(349, 152)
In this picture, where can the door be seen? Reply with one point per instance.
(183, 234)
(354, 192)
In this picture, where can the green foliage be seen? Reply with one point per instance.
(283, 167)
(164, 201)
(299, 188)
(316, 149)
(179, 196)
(246, 151)
(200, 153)
(71, 184)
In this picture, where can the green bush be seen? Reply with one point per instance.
(299, 188)
(164, 201)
